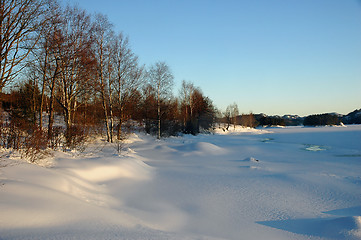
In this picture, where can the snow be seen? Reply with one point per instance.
(275, 183)
(238, 130)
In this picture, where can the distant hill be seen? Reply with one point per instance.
(333, 118)
(285, 120)
(353, 117)
(293, 120)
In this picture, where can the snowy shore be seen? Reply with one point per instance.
(273, 183)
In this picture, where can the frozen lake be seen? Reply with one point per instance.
(272, 183)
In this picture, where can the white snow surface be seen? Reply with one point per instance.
(274, 183)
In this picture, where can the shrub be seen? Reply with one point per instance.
(35, 145)
(75, 138)
(55, 137)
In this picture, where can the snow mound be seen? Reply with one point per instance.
(210, 148)
(132, 138)
(202, 148)
(163, 148)
(357, 229)
(349, 227)
(251, 159)
(126, 168)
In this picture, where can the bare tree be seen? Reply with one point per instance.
(53, 71)
(186, 97)
(19, 22)
(248, 120)
(75, 60)
(161, 79)
(103, 35)
(231, 114)
(234, 114)
(228, 116)
(44, 56)
(148, 107)
(128, 76)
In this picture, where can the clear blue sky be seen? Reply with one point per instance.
(270, 56)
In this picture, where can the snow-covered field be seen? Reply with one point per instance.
(274, 183)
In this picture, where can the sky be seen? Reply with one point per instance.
(268, 56)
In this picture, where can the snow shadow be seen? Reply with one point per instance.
(348, 155)
(246, 160)
(346, 212)
(267, 140)
(346, 226)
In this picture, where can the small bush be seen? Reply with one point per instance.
(55, 137)
(75, 138)
(12, 133)
(35, 145)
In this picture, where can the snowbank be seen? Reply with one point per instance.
(239, 130)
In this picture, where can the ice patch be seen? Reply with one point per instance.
(314, 148)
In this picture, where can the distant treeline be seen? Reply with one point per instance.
(254, 120)
(321, 120)
(333, 119)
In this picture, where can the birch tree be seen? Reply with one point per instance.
(234, 114)
(161, 79)
(128, 76)
(102, 40)
(186, 97)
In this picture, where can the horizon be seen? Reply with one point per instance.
(297, 58)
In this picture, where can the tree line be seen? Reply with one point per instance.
(63, 60)
(321, 120)
(231, 117)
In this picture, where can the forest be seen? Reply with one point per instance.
(63, 61)
(321, 120)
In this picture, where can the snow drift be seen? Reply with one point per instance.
(291, 183)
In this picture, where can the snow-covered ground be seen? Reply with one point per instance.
(272, 183)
